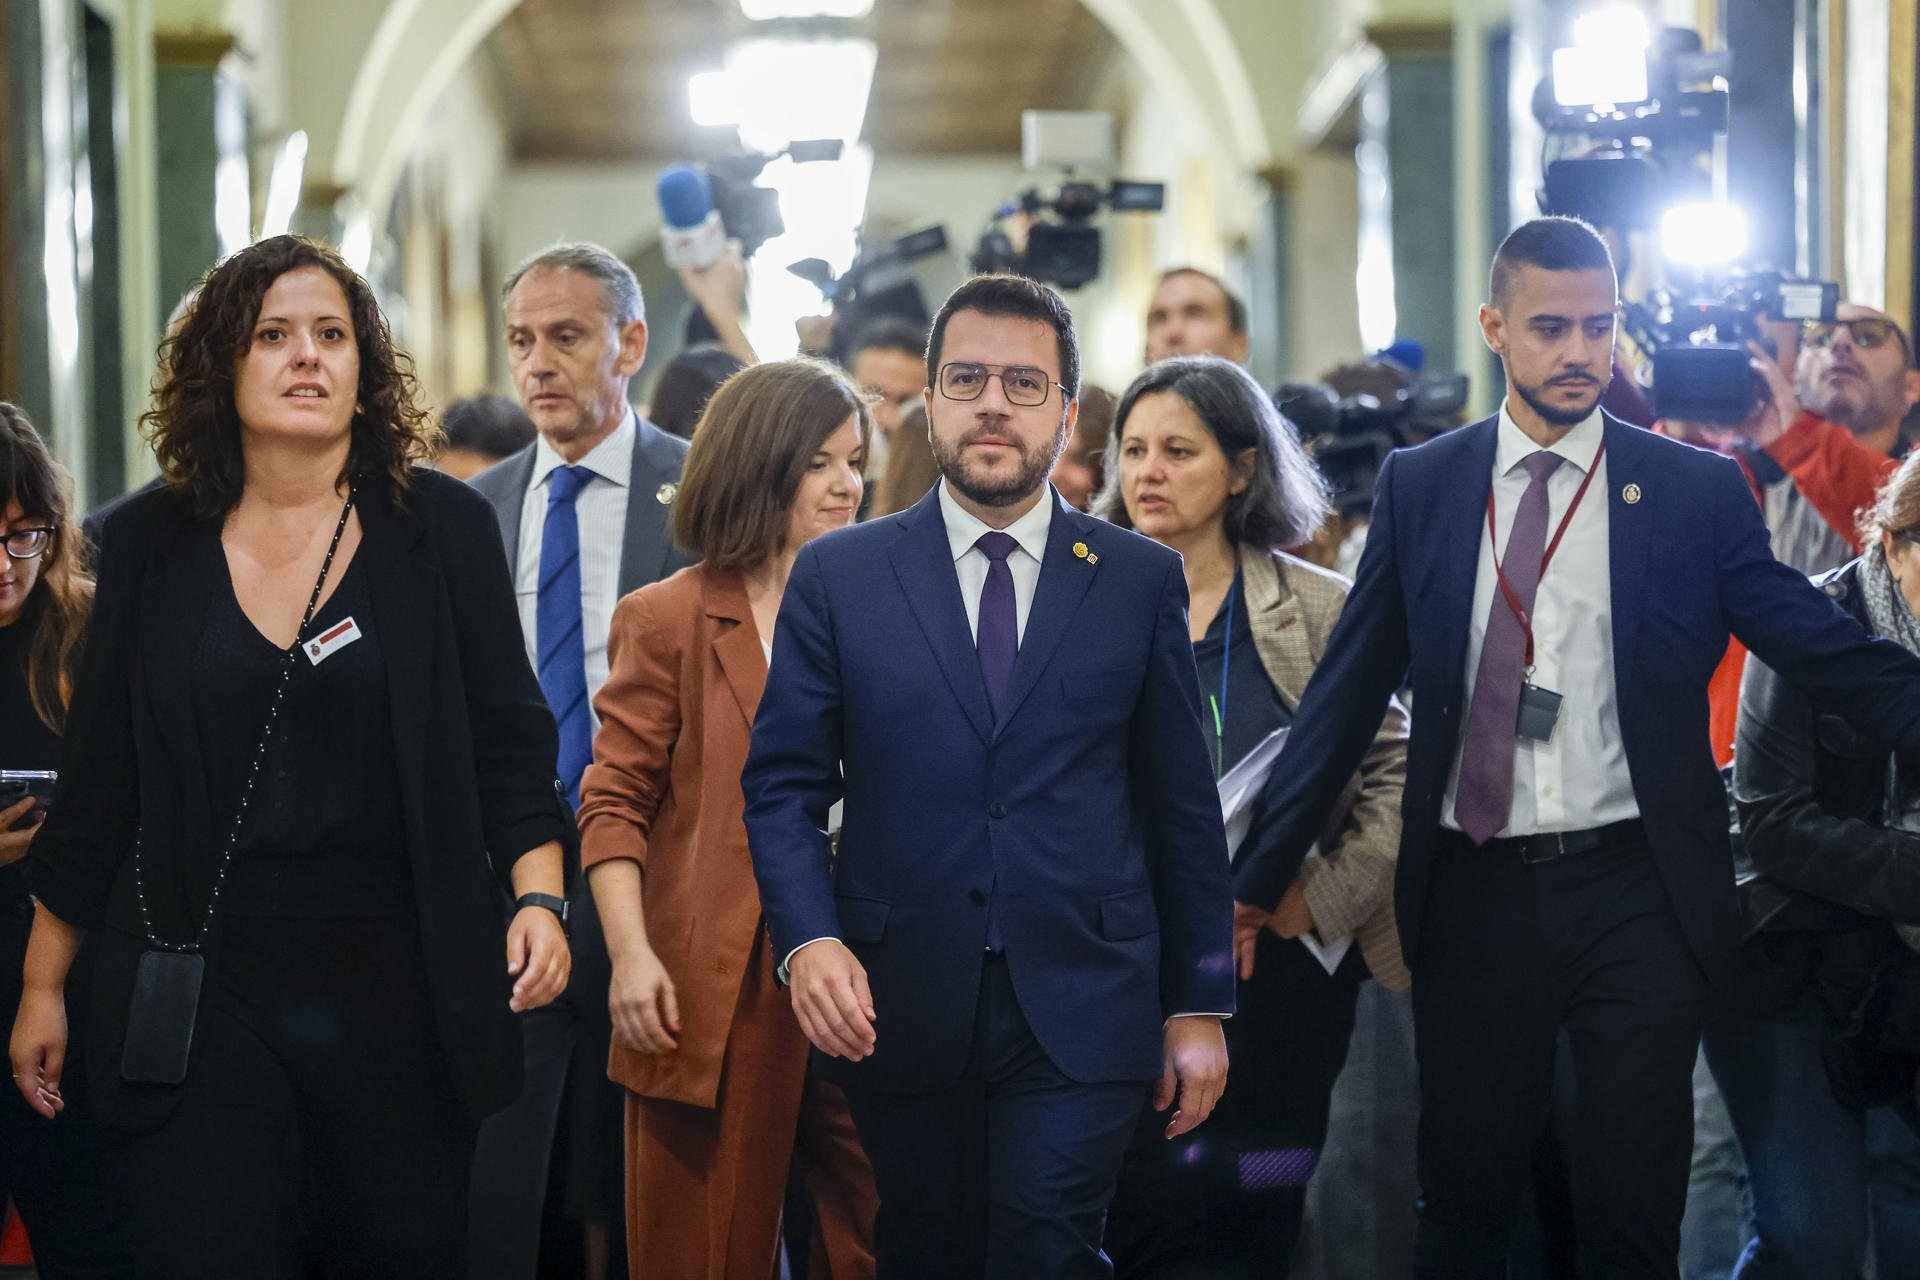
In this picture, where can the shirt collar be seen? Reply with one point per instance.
(1030, 530)
(1579, 446)
(611, 459)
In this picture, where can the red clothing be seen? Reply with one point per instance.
(1838, 476)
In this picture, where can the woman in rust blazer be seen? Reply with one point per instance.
(719, 1098)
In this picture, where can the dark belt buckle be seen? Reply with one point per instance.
(1545, 847)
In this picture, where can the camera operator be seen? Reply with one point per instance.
(1858, 370)
(1809, 474)
(1193, 313)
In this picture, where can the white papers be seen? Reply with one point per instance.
(1240, 787)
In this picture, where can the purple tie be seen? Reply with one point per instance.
(1485, 794)
(998, 637)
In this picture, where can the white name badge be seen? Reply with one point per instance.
(332, 640)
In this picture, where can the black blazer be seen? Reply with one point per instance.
(1812, 795)
(473, 741)
(1689, 564)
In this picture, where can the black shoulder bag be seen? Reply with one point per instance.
(166, 986)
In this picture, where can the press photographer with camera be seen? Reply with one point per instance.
(1858, 370)
(50, 1169)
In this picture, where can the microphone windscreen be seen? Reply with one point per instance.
(686, 196)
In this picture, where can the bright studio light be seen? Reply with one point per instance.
(711, 99)
(1607, 63)
(768, 10)
(1706, 234)
(788, 89)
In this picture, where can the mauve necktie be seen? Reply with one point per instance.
(558, 633)
(1485, 794)
(998, 637)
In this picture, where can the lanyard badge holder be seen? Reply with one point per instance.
(1539, 706)
(166, 986)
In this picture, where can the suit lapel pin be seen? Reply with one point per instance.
(666, 493)
(1630, 494)
(1080, 552)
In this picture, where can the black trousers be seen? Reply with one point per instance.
(55, 1171)
(1226, 1199)
(1006, 1175)
(317, 1132)
(552, 1160)
(1512, 954)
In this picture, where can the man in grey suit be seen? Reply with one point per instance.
(584, 516)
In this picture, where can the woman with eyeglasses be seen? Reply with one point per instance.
(1204, 463)
(51, 1170)
(1817, 1054)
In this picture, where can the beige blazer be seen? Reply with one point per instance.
(1292, 606)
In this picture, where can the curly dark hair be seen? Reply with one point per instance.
(193, 425)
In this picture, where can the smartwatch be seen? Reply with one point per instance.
(556, 905)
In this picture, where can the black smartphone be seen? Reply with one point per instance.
(17, 784)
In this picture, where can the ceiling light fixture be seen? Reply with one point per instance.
(769, 10)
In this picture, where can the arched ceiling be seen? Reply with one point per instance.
(606, 80)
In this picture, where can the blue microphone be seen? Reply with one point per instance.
(694, 236)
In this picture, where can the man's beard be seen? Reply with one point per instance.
(1860, 410)
(1553, 413)
(1033, 472)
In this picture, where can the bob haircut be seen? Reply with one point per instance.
(194, 426)
(751, 448)
(1285, 501)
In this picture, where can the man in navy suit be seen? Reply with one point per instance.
(1564, 863)
(1028, 920)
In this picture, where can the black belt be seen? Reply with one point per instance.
(1549, 845)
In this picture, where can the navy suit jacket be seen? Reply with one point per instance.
(1089, 814)
(1690, 563)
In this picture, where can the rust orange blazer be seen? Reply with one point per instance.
(687, 671)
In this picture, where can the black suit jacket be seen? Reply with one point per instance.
(472, 737)
(1689, 563)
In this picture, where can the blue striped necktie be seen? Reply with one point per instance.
(557, 628)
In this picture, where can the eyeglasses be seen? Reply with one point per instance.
(26, 544)
(1023, 385)
(1867, 333)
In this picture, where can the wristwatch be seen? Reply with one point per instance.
(558, 906)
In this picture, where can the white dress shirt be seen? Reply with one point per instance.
(970, 562)
(602, 511)
(1578, 778)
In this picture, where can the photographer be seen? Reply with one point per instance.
(1811, 476)
(1858, 370)
(50, 1169)
(1817, 1057)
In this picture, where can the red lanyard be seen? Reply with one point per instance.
(1500, 574)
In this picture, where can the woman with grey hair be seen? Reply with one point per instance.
(1205, 464)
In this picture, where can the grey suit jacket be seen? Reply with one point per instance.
(1293, 607)
(647, 550)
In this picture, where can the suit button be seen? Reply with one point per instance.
(996, 810)
(979, 896)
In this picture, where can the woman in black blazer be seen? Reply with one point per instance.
(353, 1018)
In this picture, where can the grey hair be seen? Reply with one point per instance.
(1286, 498)
(619, 288)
